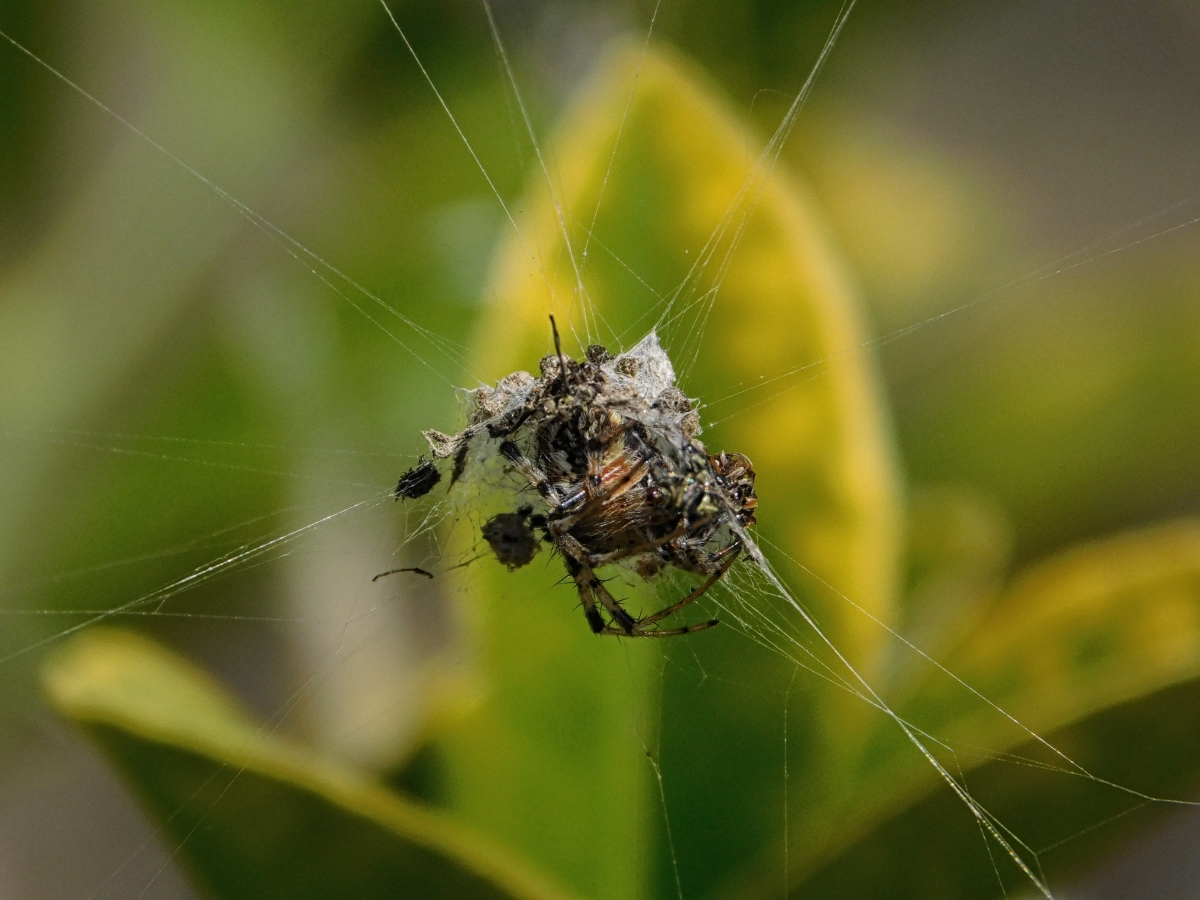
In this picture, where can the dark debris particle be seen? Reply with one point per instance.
(460, 462)
(416, 570)
(511, 538)
(418, 481)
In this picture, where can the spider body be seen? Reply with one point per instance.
(608, 444)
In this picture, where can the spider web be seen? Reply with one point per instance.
(343, 513)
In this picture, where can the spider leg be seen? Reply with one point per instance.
(584, 579)
(667, 632)
(715, 561)
(620, 615)
(578, 563)
(584, 500)
(536, 477)
(591, 589)
(603, 559)
(716, 576)
(586, 597)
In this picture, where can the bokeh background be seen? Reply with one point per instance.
(174, 386)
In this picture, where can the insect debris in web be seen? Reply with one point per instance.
(417, 481)
(608, 444)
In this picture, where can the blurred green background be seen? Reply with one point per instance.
(174, 386)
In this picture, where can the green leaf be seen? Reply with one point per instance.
(253, 815)
(1099, 625)
(1070, 640)
(1072, 824)
(958, 549)
(553, 763)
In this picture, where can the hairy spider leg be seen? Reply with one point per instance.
(567, 521)
(591, 588)
(666, 632)
(732, 551)
(596, 560)
(690, 552)
(724, 558)
(534, 475)
(583, 586)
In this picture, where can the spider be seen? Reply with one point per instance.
(609, 445)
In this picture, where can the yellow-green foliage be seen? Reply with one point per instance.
(549, 769)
